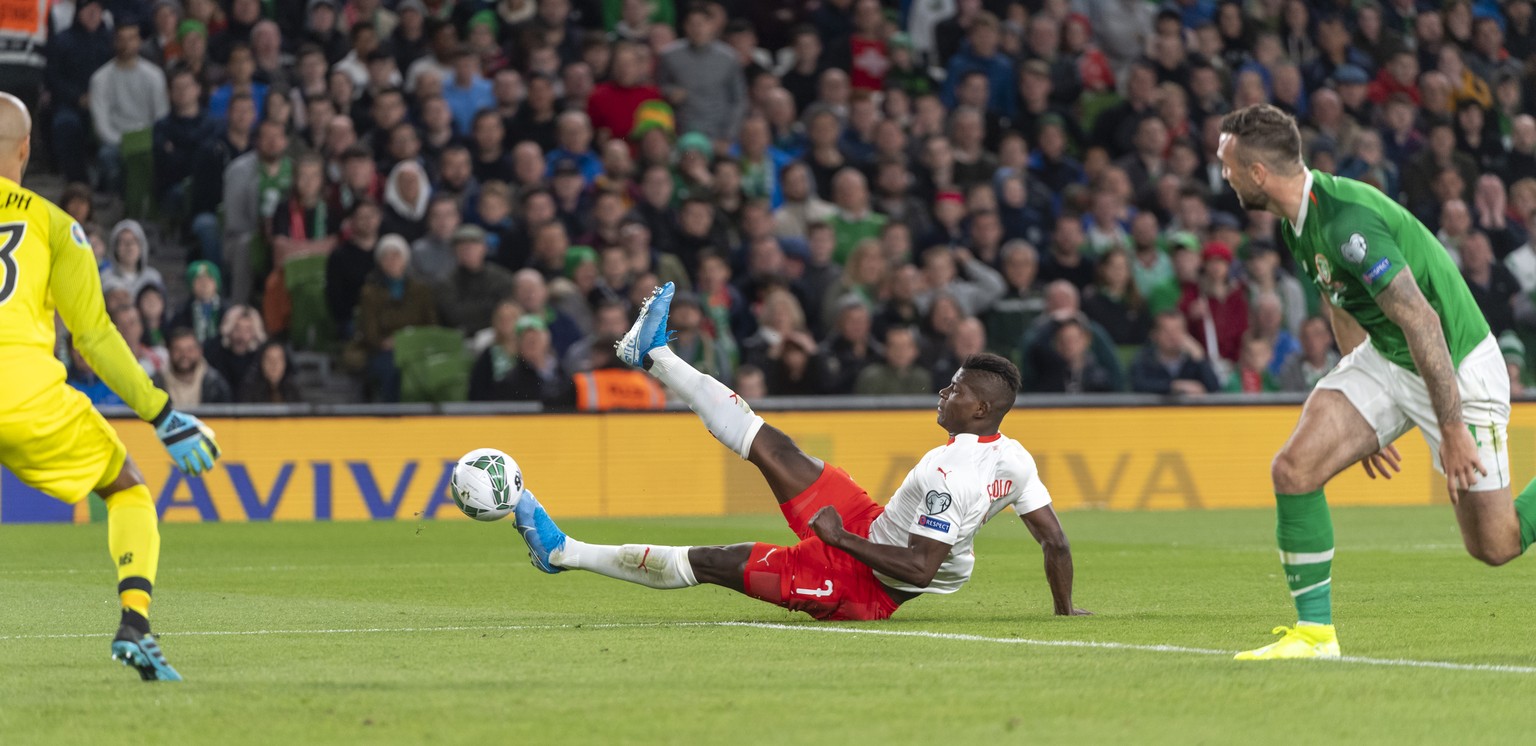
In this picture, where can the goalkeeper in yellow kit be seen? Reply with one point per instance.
(50, 435)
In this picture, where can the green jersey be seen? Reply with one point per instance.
(1354, 240)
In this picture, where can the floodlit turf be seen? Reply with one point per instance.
(340, 664)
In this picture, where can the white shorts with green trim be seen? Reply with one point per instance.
(1394, 401)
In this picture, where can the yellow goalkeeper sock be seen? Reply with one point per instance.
(133, 537)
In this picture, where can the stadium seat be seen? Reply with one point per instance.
(138, 152)
(434, 366)
(310, 327)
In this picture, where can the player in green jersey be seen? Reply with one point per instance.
(1417, 353)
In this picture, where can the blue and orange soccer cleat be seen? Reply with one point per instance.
(650, 329)
(539, 532)
(140, 651)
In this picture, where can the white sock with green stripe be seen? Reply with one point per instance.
(1305, 534)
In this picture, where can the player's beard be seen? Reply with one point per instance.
(1253, 198)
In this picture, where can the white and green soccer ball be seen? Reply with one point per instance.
(486, 484)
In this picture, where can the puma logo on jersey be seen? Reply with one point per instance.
(764, 560)
(941, 471)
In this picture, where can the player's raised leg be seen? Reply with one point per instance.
(1330, 437)
(788, 470)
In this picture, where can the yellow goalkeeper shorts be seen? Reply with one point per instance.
(59, 444)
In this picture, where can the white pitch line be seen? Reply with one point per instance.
(923, 634)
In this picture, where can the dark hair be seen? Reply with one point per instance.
(1267, 135)
(1002, 374)
(179, 332)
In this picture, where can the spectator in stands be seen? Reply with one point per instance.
(970, 338)
(189, 380)
(532, 294)
(976, 290)
(205, 195)
(203, 312)
(1114, 303)
(850, 348)
(1252, 375)
(1493, 286)
(1172, 362)
(153, 358)
(304, 225)
(432, 255)
(800, 208)
(898, 372)
(1216, 308)
(254, 185)
(1263, 274)
(241, 69)
(233, 352)
(1317, 356)
(491, 377)
(271, 381)
(1514, 361)
(1065, 260)
(74, 55)
(466, 299)
(1268, 324)
(390, 301)
(982, 53)
(614, 102)
(126, 95)
(348, 267)
(151, 304)
(537, 376)
(407, 193)
(1069, 365)
(694, 341)
(702, 79)
(177, 139)
(782, 347)
(610, 320)
(130, 268)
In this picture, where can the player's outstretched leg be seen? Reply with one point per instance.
(133, 538)
(729, 418)
(1330, 436)
(551, 551)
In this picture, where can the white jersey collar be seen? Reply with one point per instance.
(971, 438)
(1301, 214)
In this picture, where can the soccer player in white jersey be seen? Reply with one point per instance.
(856, 560)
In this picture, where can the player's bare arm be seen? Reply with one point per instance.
(915, 564)
(1046, 528)
(1405, 305)
(1347, 332)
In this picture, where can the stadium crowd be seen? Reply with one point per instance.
(851, 195)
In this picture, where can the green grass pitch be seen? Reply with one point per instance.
(437, 633)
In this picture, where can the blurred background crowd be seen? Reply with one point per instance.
(381, 200)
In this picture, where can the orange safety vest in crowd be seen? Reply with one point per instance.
(608, 389)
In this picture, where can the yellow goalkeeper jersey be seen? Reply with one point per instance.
(46, 264)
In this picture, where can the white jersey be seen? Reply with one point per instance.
(952, 491)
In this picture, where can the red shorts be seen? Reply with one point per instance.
(812, 577)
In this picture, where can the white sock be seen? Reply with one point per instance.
(648, 565)
(729, 418)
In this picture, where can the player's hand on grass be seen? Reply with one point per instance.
(1458, 454)
(188, 440)
(1378, 463)
(828, 525)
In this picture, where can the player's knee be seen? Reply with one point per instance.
(1493, 556)
(1290, 475)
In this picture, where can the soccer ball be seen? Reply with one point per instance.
(486, 484)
